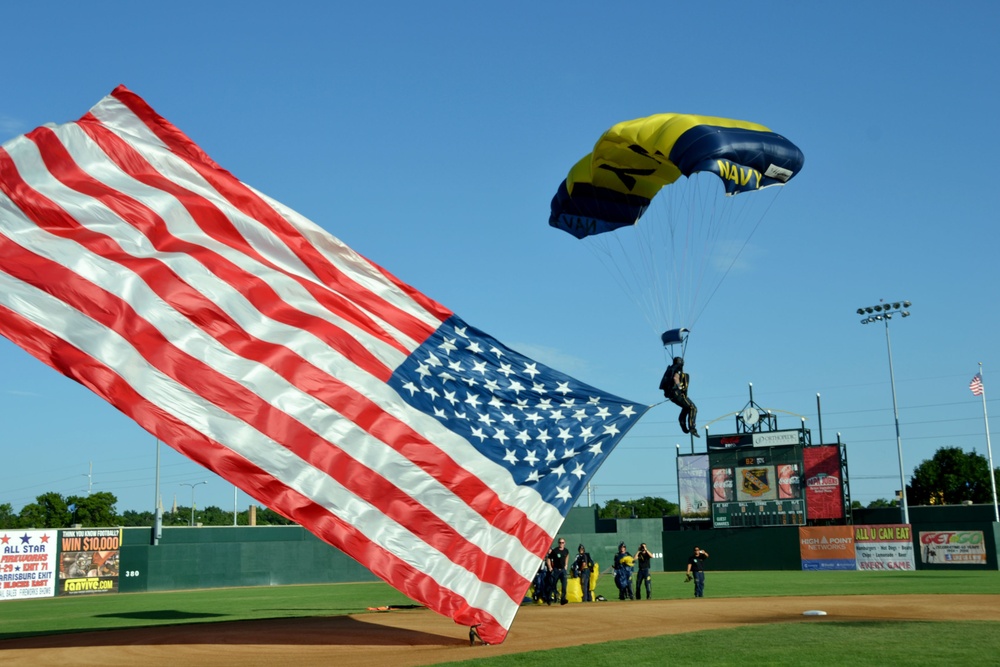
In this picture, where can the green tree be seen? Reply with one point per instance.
(95, 510)
(182, 517)
(615, 509)
(48, 511)
(648, 507)
(268, 517)
(7, 517)
(951, 477)
(879, 503)
(131, 518)
(214, 516)
(651, 507)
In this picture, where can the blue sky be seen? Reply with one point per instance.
(431, 137)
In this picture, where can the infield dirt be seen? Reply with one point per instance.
(412, 637)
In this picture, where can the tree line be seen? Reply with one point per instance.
(951, 477)
(52, 510)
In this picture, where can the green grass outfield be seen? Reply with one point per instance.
(831, 643)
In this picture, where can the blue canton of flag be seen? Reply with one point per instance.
(550, 431)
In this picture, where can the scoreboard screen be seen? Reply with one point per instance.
(757, 486)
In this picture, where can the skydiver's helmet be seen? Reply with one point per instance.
(679, 362)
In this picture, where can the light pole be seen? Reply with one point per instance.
(157, 505)
(883, 312)
(192, 496)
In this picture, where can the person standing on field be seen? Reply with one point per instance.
(696, 569)
(623, 572)
(582, 567)
(642, 559)
(558, 560)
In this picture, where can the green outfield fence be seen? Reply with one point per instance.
(214, 557)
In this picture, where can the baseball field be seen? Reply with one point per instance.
(747, 618)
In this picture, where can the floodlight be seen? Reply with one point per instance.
(884, 312)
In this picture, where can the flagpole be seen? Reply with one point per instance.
(989, 449)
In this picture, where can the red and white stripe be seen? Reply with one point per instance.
(258, 345)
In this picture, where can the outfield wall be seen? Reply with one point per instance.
(223, 556)
(957, 521)
(213, 557)
(216, 557)
(774, 548)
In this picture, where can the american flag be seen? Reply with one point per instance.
(977, 384)
(253, 342)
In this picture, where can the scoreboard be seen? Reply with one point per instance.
(756, 480)
(763, 476)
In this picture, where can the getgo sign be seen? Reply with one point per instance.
(952, 537)
(953, 547)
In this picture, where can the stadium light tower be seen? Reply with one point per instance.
(883, 312)
(192, 496)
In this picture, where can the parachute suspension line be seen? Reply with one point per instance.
(738, 215)
(674, 261)
(676, 238)
(630, 273)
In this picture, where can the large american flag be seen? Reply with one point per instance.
(253, 342)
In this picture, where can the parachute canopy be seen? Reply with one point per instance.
(694, 233)
(631, 162)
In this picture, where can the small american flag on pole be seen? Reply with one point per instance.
(977, 384)
(253, 342)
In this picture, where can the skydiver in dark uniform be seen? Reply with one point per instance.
(675, 387)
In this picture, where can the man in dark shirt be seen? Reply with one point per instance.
(582, 567)
(558, 561)
(696, 568)
(642, 559)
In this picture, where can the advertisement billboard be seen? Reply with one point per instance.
(823, 484)
(27, 564)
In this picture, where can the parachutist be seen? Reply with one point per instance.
(675, 384)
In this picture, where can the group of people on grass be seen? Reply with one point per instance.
(550, 581)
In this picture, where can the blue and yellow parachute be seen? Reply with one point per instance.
(674, 261)
(632, 161)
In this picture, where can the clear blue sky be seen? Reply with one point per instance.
(432, 136)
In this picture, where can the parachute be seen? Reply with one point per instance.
(672, 265)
